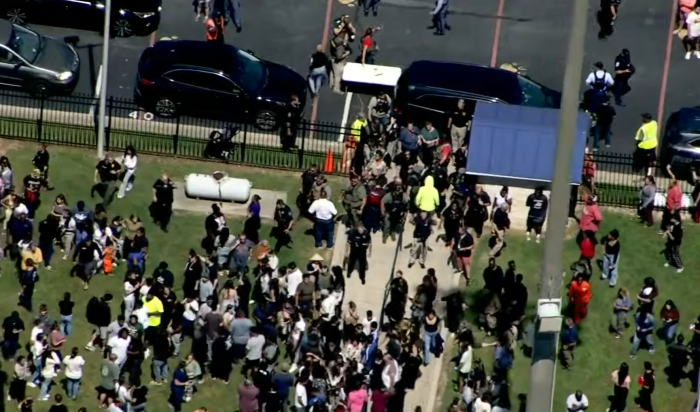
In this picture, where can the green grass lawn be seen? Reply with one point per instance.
(599, 353)
(72, 174)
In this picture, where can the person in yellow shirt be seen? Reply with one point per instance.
(428, 198)
(31, 252)
(154, 310)
(646, 140)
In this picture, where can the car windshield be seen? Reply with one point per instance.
(533, 94)
(250, 70)
(25, 42)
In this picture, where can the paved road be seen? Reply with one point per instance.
(532, 33)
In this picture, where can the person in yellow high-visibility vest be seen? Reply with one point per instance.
(352, 141)
(646, 140)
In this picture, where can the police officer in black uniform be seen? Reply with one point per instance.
(358, 250)
(162, 206)
(624, 69)
(41, 162)
(395, 208)
(107, 170)
(284, 222)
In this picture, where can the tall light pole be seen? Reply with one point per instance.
(542, 371)
(103, 82)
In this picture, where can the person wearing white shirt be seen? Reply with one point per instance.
(576, 402)
(367, 323)
(49, 371)
(129, 162)
(119, 345)
(123, 394)
(189, 314)
(483, 403)
(599, 79)
(36, 330)
(294, 279)
(465, 362)
(300, 396)
(141, 314)
(131, 287)
(74, 373)
(329, 304)
(323, 211)
(692, 41)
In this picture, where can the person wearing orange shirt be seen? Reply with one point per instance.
(579, 295)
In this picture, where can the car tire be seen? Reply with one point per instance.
(17, 15)
(40, 89)
(122, 28)
(266, 120)
(164, 107)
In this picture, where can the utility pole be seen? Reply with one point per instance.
(543, 369)
(103, 82)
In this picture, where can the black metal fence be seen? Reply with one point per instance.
(72, 121)
(618, 183)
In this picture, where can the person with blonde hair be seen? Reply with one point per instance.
(621, 307)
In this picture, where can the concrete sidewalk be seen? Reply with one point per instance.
(371, 295)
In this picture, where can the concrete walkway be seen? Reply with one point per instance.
(371, 295)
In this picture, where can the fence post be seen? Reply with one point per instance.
(40, 120)
(108, 132)
(300, 152)
(245, 141)
(176, 136)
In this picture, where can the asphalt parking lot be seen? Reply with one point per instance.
(531, 33)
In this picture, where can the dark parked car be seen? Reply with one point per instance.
(215, 80)
(429, 90)
(42, 65)
(128, 17)
(680, 143)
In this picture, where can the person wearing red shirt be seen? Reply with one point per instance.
(674, 202)
(379, 399)
(590, 219)
(580, 295)
(368, 46)
(587, 248)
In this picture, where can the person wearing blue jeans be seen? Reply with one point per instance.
(324, 212)
(644, 322)
(65, 307)
(66, 325)
(160, 370)
(670, 317)
(431, 325)
(611, 257)
(73, 388)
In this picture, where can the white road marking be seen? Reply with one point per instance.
(346, 113)
(98, 89)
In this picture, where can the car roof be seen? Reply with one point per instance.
(465, 77)
(217, 56)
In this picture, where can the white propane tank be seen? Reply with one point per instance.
(217, 186)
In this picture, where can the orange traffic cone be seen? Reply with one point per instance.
(328, 166)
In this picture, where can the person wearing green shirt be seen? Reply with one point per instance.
(109, 375)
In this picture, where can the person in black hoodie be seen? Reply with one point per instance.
(99, 314)
(319, 70)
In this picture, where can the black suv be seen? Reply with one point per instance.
(215, 80)
(42, 65)
(429, 90)
(128, 17)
